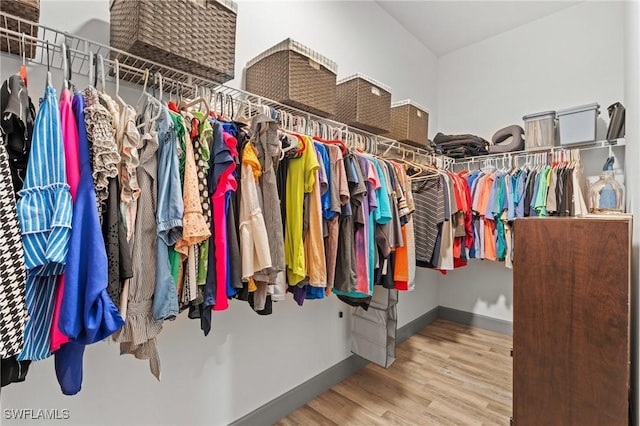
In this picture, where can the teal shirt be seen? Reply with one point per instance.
(499, 202)
(381, 216)
(541, 193)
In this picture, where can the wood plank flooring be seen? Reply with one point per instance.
(448, 374)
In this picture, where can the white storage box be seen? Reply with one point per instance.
(578, 124)
(539, 130)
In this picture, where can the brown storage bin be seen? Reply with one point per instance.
(25, 9)
(196, 36)
(409, 123)
(293, 74)
(364, 103)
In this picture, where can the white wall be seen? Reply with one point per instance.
(573, 57)
(358, 35)
(247, 360)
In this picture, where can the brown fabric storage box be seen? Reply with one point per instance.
(196, 36)
(409, 123)
(293, 74)
(364, 103)
(25, 9)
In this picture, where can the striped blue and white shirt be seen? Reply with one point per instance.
(44, 213)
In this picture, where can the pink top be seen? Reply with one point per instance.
(71, 142)
(363, 259)
(227, 183)
(72, 163)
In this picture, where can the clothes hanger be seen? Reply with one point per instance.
(513, 163)
(362, 144)
(23, 67)
(338, 142)
(295, 123)
(72, 86)
(350, 138)
(121, 102)
(145, 82)
(173, 90)
(370, 144)
(230, 106)
(48, 66)
(289, 125)
(213, 105)
(413, 163)
(283, 120)
(428, 170)
(101, 69)
(183, 106)
(157, 79)
(487, 167)
(65, 66)
(245, 114)
(180, 93)
(423, 172)
(92, 65)
(221, 115)
(293, 145)
(302, 144)
(149, 98)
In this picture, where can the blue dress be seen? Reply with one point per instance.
(88, 314)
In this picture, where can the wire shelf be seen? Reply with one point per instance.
(49, 53)
(509, 156)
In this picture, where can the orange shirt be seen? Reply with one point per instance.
(401, 268)
(315, 259)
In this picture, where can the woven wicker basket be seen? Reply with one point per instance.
(25, 9)
(409, 123)
(364, 103)
(196, 36)
(295, 75)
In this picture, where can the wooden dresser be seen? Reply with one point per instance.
(571, 344)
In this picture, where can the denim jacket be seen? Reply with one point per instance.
(169, 214)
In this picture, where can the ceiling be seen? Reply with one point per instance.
(444, 26)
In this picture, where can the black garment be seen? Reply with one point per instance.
(363, 302)
(346, 275)
(384, 275)
(569, 206)
(268, 306)
(233, 218)
(559, 190)
(529, 189)
(235, 261)
(429, 214)
(460, 146)
(281, 180)
(16, 125)
(119, 261)
(218, 162)
(13, 371)
(17, 115)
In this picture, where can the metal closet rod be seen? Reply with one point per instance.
(133, 69)
(510, 156)
(442, 161)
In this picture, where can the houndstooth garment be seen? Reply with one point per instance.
(13, 311)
